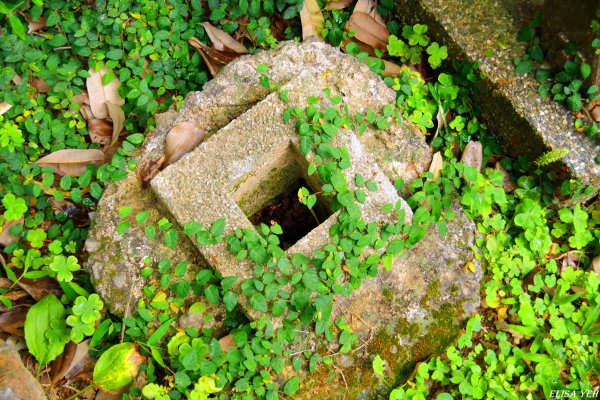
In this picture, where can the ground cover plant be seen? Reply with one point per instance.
(537, 331)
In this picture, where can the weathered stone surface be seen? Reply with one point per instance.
(251, 155)
(16, 382)
(526, 123)
(567, 22)
(403, 315)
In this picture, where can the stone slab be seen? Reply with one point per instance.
(525, 123)
(202, 186)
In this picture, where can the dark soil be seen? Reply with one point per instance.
(295, 218)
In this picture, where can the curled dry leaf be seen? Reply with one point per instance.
(100, 94)
(4, 107)
(39, 288)
(214, 59)
(73, 360)
(369, 7)
(5, 236)
(72, 161)
(508, 185)
(34, 26)
(312, 20)
(40, 85)
(227, 342)
(436, 165)
(148, 170)
(473, 155)
(12, 320)
(338, 5)
(222, 41)
(392, 69)
(117, 117)
(596, 113)
(100, 131)
(17, 80)
(571, 259)
(368, 30)
(182, 139)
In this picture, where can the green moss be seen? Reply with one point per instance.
(439, 334)
(432, 294)
(388, 294)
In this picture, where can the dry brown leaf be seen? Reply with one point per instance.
(100, 131)
(36, 25)
(117, 117)
(4, 107)
(40, 85)
(5, 236)
(38, 288)
(338, 5)
(182, 139)
(214, 59)
(227, 342)
(72, 161)
(222, 41)
(312, 20)
(596, 113)
(100, 94)
(17, 80)
(507, 183)
(13, 320)
(596, 265)
(148, 170)
(71, 362)
(473, 155)
(436, 165)
(368, 30)
(392, 69)
(369, 7)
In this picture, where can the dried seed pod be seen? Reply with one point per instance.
(182, 139)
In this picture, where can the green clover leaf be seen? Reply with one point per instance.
(36, 237)
(64, 267)
(79, 329)
(436, 54)
(57, 333)
(88, 309)
(15, 207)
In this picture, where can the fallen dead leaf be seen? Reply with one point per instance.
(392, 69)
(227, 342)
(368, 30)
(72, 161)
(4, 107)
(100, 131)
(34, 26)
(13, 319)
(214, 59)
(117, 117)
(39, 288)
(312, 20)
(502, 313)
(596, 113)
(71, 362)
(5, 237)
(222, 41)
(436, 165)
(507, 184)
(182, 139)
(99, 94)
(469, 266)
(596, 265)
(473, 155)
(369, 7)
(338, 5)
(40, 85)
(147, 171)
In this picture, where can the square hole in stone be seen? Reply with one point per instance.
(270, 194)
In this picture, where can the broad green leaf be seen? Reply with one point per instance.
(37, 323)
(117, 366)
